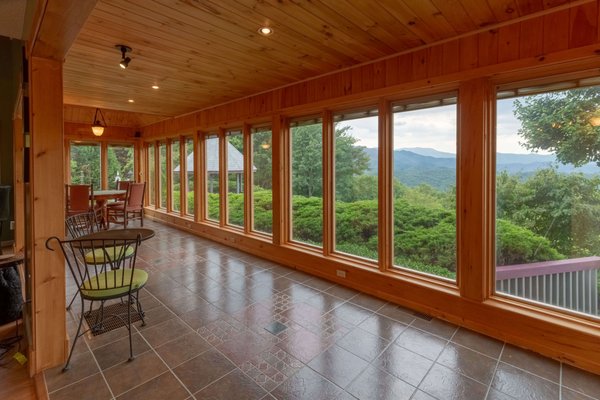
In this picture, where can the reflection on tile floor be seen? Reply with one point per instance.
(222, 324)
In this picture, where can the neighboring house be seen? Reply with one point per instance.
(235, 165)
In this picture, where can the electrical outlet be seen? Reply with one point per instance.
(12, 225)
(341, 273)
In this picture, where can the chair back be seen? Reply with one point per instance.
(123, 185)
(78, 198)
(135, 195)
(100, 267)
(84, 224)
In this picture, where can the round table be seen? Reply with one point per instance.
(115, 234)
(102, 196)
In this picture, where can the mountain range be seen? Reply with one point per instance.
(417, 165)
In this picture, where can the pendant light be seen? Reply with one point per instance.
(97, 126)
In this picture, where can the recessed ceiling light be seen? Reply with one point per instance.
(131, 100)
(265, 30)
(155, 87)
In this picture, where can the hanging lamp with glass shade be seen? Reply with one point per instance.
(98, 126)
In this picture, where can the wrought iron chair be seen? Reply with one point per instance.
(104, 269)
(132, 208)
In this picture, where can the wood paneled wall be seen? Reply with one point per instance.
(555, 43)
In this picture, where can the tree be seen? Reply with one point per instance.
(563, 123)
(307, 161)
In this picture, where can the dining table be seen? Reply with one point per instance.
(101, 197)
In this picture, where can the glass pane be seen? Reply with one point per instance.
(548, 198)
(262, 176)
(162, 160)
(175, 176)
(425, 188)
(235, 178)
(307, 181)
(120, 164)
(151, 174)
(356, 200)
(212, 178)
(85, 164)
(189, 172)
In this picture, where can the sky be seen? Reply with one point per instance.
(436, 128)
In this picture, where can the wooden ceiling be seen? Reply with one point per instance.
(206, 52)
(85, 115)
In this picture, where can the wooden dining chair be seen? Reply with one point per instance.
(79, 199)
(132, 208)
(121, 185)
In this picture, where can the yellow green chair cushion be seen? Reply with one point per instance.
(104, 283)
(107, 254)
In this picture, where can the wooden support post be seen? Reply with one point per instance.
(223, 200)
(474, 127)
(168, 172)
(279, 148)
(385, 186)
(182, 176)
(47, 214)
(200, 195)
(328, 143)
(248, 180)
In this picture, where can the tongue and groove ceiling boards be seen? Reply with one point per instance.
(205, 52)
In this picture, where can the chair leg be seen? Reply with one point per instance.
(139, 308)
(129, 327)
(73, 300)
(66, 367)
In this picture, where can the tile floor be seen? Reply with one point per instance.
(222, 324)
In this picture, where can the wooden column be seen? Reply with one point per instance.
(199, 177)
(385, 183)
(328, 143)
(279, 143)
(47, 214)
(248, 180)
(474, 127)
(182, 176)
(104, 183)
(223, 200)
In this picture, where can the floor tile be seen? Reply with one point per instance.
(162, 387)
(338, 365)
(384, 327)
(444, 383)
(82, 365)
(204, 369)
(342, 292)
(363, 344)
(468, 362)
(581, 381)
(404, 364)
(118, 352)
(182, 349)
(91, 388)
(396, 313)
(351, 313)
(532, 362)
(307, 384)
(271, 367)
(436, 326)
(478, 342)
(234, 385)
(220, 331)
(129, 374)
(523, 385)
(167, 331)
(245, 345)
(421, 343)
(303, 344)
(368, 302)
(374, 384)
(568, 394)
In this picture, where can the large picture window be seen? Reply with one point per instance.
(424, 140)
(548, 195)
(151, 174)
(262, 179)
(212, 177)
(86, 164)
(120, 164)
(307, 180)
(175, 176)
(356, 196)
(162, 162)
(235, 178)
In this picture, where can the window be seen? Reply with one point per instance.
(86, 164)
(548, 195)
(162, 161)
(356, 197)
(151, 175)
(262, 179)
(235, 178)
(120, 164)
(175, 176)
(306, 155)
(425, 186)
(212, 177)
(189, 175)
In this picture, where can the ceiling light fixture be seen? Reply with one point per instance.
(155, 87)
(124, 59)
(131, 100)
(265, 30)
(97, 126)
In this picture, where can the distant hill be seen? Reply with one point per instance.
(417, 165)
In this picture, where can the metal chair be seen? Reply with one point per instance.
(103, 271)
